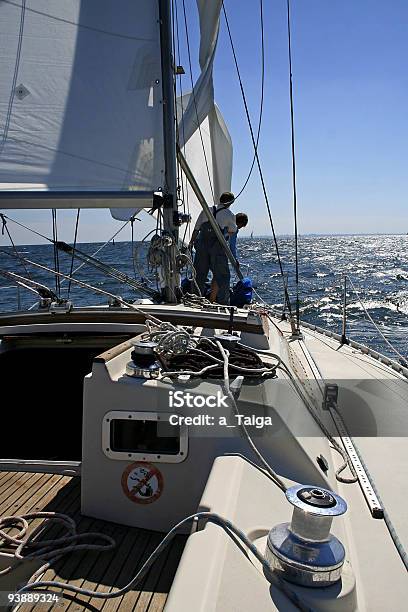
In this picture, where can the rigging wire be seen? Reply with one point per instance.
(73, 251)
(292, 129)
(84, 285)
(99, 249)
(56, 254)
(106, 269)
(265, 194)
(27, 228)
(6, 229)
(261, 103)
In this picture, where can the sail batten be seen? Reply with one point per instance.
(80, 102)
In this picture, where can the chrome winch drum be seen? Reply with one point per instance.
(304, 551)
(144, 362)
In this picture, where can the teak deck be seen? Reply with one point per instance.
(23, 492)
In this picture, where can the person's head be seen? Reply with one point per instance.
(241, 219)
(227, 198)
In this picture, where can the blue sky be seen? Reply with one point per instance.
(351, 95)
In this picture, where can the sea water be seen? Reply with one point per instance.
(377, 265)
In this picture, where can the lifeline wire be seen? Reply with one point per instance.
(404, 359)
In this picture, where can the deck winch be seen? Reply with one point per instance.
(144, 362)
(304, 551)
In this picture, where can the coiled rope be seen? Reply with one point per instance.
(48, 550)
(230, 529)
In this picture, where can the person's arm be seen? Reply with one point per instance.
(233, 244)
(196, 230)
(230, 226)
(193, 238)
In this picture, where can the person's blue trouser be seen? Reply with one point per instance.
(211, 256)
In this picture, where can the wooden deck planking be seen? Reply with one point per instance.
(22, 492)
(129, 557)
(134, 559)
(68, 503)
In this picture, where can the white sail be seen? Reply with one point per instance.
(203, 134)
(80, 100)
(208, 152)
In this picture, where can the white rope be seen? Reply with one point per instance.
(277, 480)
(48, 550)
(230, 529)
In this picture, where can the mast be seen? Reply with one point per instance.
(170, 185)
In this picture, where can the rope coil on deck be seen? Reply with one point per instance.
(48, 550)
(230, 529)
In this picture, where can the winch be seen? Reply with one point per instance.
(144, 362)
(304, 551)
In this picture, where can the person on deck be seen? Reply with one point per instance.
(241, 220)
(210, 254)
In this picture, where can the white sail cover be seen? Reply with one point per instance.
(203, 134)
(80, 96)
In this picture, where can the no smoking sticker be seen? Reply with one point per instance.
(142, 482)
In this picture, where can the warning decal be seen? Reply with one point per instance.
(142, 482)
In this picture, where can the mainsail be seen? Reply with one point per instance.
(80, 101)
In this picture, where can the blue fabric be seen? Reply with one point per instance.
(242, 292)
